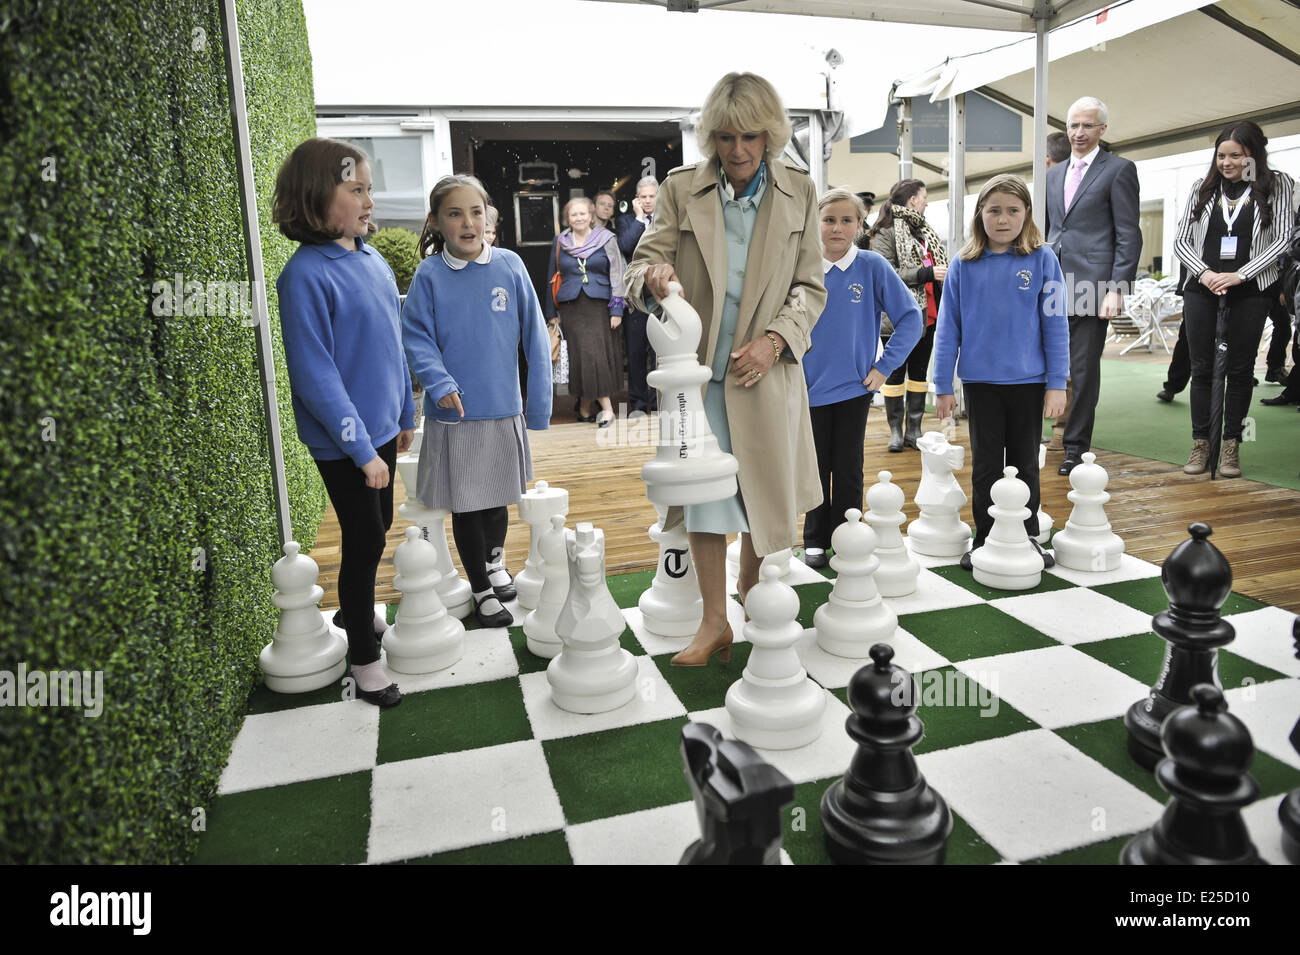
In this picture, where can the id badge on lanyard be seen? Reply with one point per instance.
(1228, 243)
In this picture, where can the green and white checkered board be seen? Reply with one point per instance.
(1023, 697)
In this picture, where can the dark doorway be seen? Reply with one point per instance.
(588, 157)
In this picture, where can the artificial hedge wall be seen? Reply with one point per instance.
(133, 439)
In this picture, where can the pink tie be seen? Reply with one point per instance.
(1072, 184)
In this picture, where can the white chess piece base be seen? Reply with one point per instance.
(590, 681)
(776, 714)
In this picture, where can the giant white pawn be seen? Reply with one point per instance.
(1007, 560)
(939, 531)
(453, 590)
(672, 606)
(897, 573)
(774, 705)
(1044, 519)
(535, 509)
(593, 673)
(425, 637)
(689, 466)
(539, 625)
(854, 618)
(1087, 541)
(304, 654)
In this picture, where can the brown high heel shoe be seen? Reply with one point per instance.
(698, 654)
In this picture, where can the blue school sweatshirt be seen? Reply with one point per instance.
(1002, 321)
(462, 325)
(339, 315)
(846, 337)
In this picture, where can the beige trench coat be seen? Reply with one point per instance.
(771, 434)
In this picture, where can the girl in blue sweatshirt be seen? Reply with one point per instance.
(469, 308)
(339, 315)
(841, 367)
(1002, 324)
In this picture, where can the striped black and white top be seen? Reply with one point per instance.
(1267, 245)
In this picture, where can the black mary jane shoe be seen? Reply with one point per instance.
(502, 618)
(815, 561)
(387, 697)
(1048, 560)
(507, 590)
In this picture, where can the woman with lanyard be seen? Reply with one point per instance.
(1236, 227)
(589, 305)
(918, 255)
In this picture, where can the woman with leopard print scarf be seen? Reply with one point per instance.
(920, 257)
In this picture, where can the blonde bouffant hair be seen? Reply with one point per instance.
(1030, 237)
(749, 103)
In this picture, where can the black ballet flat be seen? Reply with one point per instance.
(501, 618)
(389, 696)
(815, 561)
(507, 590)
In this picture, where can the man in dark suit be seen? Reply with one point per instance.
(640, 356)
(1092, 225)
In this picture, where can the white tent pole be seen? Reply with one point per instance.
(956, 173)
(1040, 115)
(253, 249)
(905, 138)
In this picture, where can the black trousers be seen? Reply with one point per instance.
(917, 366)
(1180, 364)
(1004, 421)
(1243, 329)
(365, 515)
(640, 360)
(1281, 318)
(1087, 341)
(480, 538)
(839, 430)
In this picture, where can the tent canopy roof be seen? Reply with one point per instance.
(1172, 73)
(1014, 15)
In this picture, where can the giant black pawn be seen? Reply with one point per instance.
(1288, 813)
(738, 798)
(1197, 580)
(1207, 774)
(883, 812)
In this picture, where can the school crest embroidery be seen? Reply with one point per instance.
(500, 299)
(1026, 277)
(856, 291)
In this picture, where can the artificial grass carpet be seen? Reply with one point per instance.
(1131, 420)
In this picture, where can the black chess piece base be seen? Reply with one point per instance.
(909, 827)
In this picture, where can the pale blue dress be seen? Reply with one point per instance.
(739, 215)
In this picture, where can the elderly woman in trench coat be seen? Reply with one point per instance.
(738, 230)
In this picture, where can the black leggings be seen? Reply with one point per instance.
(1004, 421)
(917, 366)
(480, 538)
(364, 515)
(1243, 327)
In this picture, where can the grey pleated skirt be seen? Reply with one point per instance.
(473, 465)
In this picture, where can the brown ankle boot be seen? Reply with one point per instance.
(1199, 459)
(1230, 458)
